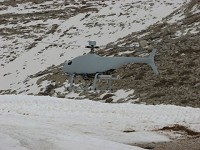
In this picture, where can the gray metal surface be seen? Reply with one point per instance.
(92, 63)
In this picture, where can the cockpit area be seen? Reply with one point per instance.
(69, 62)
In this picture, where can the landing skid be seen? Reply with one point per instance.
(90, 85)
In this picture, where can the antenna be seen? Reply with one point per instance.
(92, 46)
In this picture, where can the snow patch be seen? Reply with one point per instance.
(38, 122)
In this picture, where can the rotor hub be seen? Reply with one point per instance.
(92, 46)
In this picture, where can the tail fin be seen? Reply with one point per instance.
(151, 61)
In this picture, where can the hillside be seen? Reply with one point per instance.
(177, 41)
(31, 67)
(31, 64)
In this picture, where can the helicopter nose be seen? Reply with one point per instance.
(69, 62)
(65, 67)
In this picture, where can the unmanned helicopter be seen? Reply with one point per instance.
(93, 64)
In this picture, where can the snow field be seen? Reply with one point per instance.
(46, 121)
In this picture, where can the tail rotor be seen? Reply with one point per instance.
(151, 61)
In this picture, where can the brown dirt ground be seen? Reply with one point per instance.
(185, 144)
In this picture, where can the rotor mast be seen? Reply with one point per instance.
(92, 46)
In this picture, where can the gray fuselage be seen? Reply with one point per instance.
(92, 63)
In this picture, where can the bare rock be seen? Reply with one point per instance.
(143, 43)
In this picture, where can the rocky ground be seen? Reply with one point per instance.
(178, 63)
(185, 144)
(190, 140)
(177, 60)
(177, 57)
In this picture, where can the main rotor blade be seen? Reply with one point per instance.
(62, 44)
(126, 46)
(118, 46)
(102, 46)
